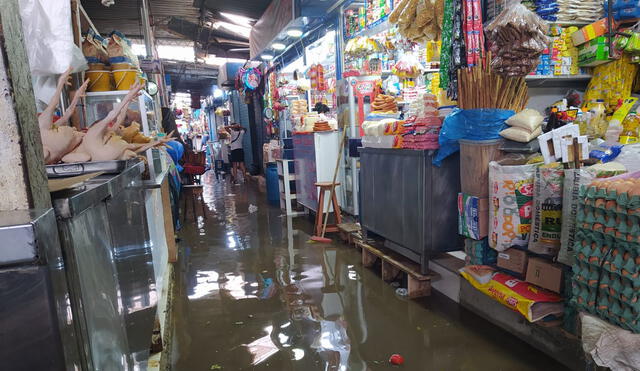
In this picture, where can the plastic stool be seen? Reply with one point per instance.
(326, 187)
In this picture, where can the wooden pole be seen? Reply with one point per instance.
(23, 174)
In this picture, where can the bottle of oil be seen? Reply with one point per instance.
(630, 126)
(581, 121)
(598, 124)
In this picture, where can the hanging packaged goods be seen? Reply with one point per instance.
(517, 37)
(419, 20)
(568, 11)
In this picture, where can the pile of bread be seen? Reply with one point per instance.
(384, 103)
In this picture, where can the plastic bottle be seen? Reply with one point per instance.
(612, 135)
(581, 121)
(629, 131)
(598, 124)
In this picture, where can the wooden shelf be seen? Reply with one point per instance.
(293, 196)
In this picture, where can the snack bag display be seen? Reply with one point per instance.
(510, 204)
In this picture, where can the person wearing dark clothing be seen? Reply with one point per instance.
(169, 124)
(237, 152)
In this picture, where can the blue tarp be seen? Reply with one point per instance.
(472, 124)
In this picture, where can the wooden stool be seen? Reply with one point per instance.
(193, 190)
(326, 187)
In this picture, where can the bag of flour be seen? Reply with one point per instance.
(510, 204)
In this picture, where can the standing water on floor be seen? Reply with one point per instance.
(252, 294)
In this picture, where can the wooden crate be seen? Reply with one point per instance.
(418, 285)
(348, 232)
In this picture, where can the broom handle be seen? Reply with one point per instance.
(333, 183)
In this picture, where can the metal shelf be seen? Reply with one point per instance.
(557, 81)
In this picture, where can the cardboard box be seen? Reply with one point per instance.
(594, 52)
(473, 216)
(590, 32)
(545, 274)
(514, 260)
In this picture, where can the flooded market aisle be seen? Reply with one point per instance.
(254, 295)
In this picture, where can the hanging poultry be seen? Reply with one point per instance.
(101, 143)
(58, 139)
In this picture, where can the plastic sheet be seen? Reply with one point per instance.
(473, 124)
(47, 33)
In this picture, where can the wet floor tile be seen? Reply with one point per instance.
(254, 295)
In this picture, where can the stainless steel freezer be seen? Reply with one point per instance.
(105, 240)
(36, 326)
(410, 202)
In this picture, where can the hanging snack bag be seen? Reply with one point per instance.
(547, 210)
(510, 209)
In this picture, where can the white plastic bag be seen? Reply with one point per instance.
(48, 36)
(529, 119)
(44, 86)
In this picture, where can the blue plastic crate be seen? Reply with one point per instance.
(287, 143)
(287, 154)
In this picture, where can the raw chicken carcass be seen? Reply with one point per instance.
(100, 143)
(59, 139)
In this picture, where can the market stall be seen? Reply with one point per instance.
(540, 150)
(302, 112)
(539, 102)
(102, 267)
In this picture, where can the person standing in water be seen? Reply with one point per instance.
(237, 152)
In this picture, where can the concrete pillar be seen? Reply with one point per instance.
(23, 180)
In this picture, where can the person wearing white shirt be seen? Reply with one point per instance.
(237, 152)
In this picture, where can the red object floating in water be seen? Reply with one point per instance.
(396, 359)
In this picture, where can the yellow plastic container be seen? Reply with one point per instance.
(125, 78)
(120, 66)
(97, 67)
(99, 81)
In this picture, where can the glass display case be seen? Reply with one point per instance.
(143, 110)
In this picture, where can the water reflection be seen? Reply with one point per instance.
(206, 283)
(257, 296)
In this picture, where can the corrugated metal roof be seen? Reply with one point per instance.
(248, 8)
(124, 15)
